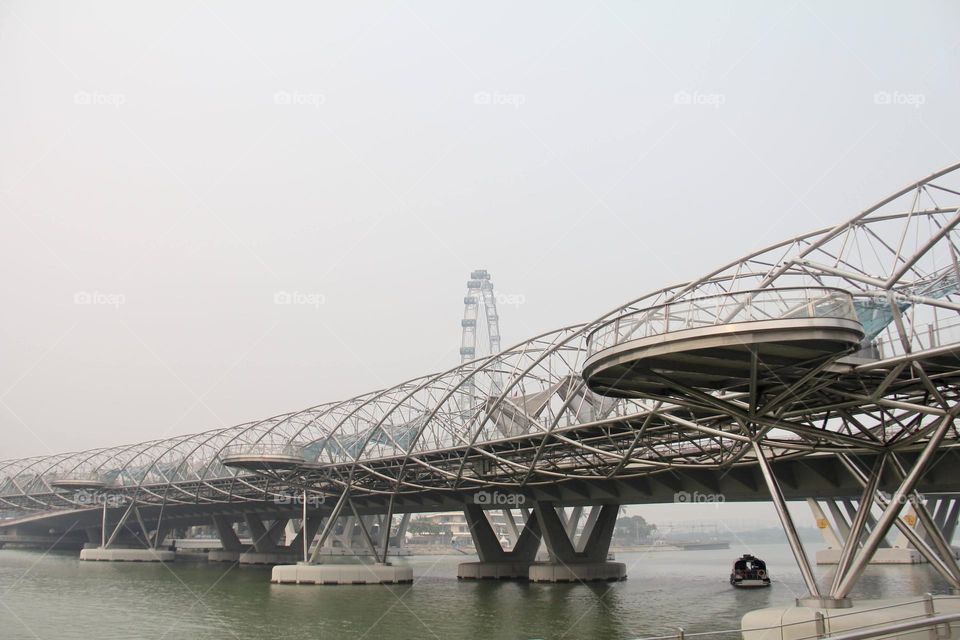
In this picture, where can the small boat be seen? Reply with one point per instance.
(748, 572)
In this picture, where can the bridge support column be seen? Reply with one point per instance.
(230, 544)
(265, 542)
(813, 597)
(400, 536)
(135, 549)
(495, 563)
(567, 563)
(940, 555)
(331, 572)
(160, 534)
(309, 529)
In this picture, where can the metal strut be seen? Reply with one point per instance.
(799, 553)
(912, 536)
(897, 500)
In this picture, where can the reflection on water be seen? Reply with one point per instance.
(54, 595)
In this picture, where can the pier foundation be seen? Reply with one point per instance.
(578, 572)
(127, 555)
(333, 574)
(278, 556)
(495, 563)
(583, 559)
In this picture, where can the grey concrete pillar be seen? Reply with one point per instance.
(843, 525)
(950, 525)
(596, 545)
(160, 535)
(587, 528)
(488, 545)
(513, 532)
(400, 536)
(262, 542)
(228, 536)
(573, 521)
(310, 531)
(276, 530)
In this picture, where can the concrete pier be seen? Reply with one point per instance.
(269, 557)
(334, 574)
(495, 563)
(583, 559)
(578, 572)
(493, 570)
(223, 556)
(127, 555)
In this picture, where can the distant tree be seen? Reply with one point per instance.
(633, 530)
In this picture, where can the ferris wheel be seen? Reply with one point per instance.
(479, 293)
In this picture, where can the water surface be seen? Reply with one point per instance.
(56, 596)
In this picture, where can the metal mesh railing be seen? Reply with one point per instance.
(266, 449)
(727, 308)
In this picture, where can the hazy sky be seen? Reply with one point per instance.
(168, 168)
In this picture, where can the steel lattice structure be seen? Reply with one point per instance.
(530, 419)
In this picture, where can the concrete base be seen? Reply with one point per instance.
(493, 570)
(223, 556)
(196, 544)
(578, 572)
(795, 623)
(330, 574)
(127, 555)
(273, 557)
(882, 556)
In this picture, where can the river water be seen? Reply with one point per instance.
(56, 596)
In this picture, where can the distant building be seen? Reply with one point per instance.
(455, 528)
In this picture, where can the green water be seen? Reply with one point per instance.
(56, 596)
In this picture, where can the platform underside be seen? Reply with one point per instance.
(263, 463)
(720, 357)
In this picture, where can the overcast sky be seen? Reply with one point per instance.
(168, 169)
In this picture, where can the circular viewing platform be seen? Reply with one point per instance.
(709, 342)
(77, 484)
(263, 457)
